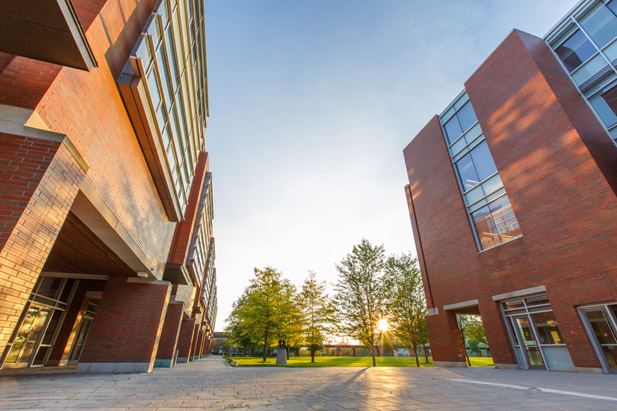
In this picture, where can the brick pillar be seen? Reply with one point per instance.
(169, 336)
(497, 335)
(185, 339)
(196, 341)
(206, 350)
(127, 327)
(446, 340)
(39, 180)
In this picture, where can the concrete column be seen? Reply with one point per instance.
(185, 339)
(446, 340)
(127, 327)
(169, 336)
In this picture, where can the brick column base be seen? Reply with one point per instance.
(127, 327)
(169, 337)
(446, 340)
(185, 340)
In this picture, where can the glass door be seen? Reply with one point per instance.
(527, 339)
(603, 330)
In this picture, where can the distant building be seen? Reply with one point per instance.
(512, 197)
(106, 240)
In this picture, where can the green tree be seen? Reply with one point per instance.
(472, 332)
(289, 324)
(406, 301)
(361, 293)
(262, 309)
(318, 313)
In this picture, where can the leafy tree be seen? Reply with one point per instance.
(262, 309)
(290, 319)
(472, 332)
(406, 301)
(318, 313)
(361, 293)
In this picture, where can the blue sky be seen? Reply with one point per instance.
(311, 105)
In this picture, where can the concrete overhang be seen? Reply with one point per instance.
(176, 274)
(47, 30)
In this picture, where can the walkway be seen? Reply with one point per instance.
(211, 384)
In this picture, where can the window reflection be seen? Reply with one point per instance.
(476, 166)
(496, 223)
(575, 50)
(601, 24)
(547, 327)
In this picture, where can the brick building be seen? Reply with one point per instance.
(512, 198)
(106, 240)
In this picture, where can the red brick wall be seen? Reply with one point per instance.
(128, 323)
(564, 203)
(34, 233)
(185, 339)
(23, 162)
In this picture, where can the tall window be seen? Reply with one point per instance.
(586, 44)
(488, 205)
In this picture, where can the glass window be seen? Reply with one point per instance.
(496, 223)
(467, 173)
(466, 116)
(483, 160)
(504, 219)
(547, 327)
(575, 50)
(600, 24)
(453, 129)
(476, 166)
(485, 227)
(154, 90)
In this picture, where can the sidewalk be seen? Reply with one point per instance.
(211, 384)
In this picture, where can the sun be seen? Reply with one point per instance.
(382, 325)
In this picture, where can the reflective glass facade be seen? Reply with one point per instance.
(169, 58)
(586, 44)
(487, 203)
(202, 234)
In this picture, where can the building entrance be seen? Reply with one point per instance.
(535, 334)
(601, 324)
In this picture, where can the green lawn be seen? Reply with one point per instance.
(348, 362)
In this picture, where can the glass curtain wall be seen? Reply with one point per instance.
(488, 205)
(172, 53)
(586, 44)
(535, 334)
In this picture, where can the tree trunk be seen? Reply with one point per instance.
(266, 344)
(312, 352)
(373, 352)
(425, 352)
(415, 351)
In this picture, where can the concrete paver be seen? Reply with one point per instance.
(210, 384)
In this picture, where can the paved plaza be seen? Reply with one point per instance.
(211, 384)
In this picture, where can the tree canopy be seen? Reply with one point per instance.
(361, 293)
(406, 302)
(318, 313)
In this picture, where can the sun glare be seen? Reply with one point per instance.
(382, 325)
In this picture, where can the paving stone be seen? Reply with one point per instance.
(209, 384)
